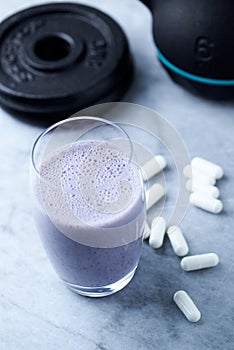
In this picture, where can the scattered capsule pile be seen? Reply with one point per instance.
(202, 176)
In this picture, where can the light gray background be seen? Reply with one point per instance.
(38, 312)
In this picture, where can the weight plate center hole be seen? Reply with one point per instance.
(52, 48)
(50, 52)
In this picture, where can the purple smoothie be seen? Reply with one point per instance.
(90, 213)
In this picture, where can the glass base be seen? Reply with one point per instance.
(103, 291)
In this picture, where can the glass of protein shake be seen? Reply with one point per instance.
(89, 203)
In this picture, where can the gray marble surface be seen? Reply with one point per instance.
(38, 312)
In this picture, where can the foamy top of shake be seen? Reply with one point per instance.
(90, 183)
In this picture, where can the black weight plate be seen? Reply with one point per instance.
(58, 58)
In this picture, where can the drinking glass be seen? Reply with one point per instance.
(88, 203)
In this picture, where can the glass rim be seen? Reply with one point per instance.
(75, 118)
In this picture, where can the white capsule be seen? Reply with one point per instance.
(198, 177)
(153, 167)
(177, 240)
(158, 229)
(200, 261)
(190, 172)
(153, 195)
(146, 232)
(207, 190)
(187, 171)
(212, 205)
(207, 167)
(187, 306)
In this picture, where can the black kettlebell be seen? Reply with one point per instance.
(195, 43)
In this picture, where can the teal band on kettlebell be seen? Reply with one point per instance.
(197, 78)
